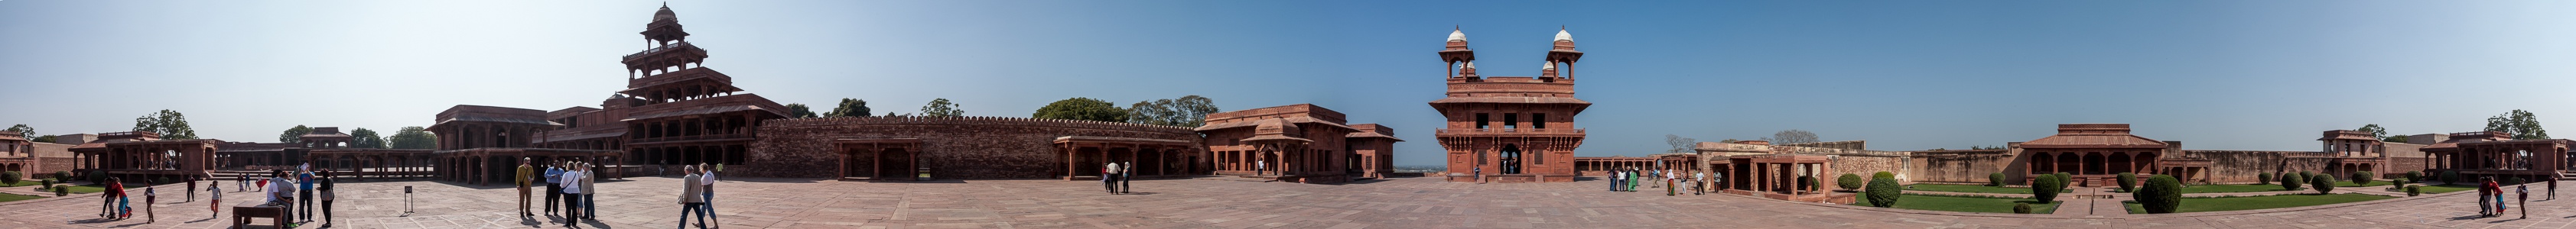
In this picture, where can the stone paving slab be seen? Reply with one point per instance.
(1198, 203)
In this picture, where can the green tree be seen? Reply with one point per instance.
(1187, 111)
(941, 108)
(294, 134)
(2362, 178)
(1995, 179)
(366, 139)
(798, 110)
(2521, 124)
(2374, 130)
(2290, 182)
(413, 137)
(2162, 194)
(46, 138)
(2263, 178)
(2045, 188)
(849, 108)
(170, 124)
(1079, 108)
(22, 129)
(2398, 138)
(1883, 191)
(1791, 137)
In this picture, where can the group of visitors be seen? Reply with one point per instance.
(1117, 178)
(116, 200)
(2491, 202)
(570, 184)
(1626, 179)
(697, 194)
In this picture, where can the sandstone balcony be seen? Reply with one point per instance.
(1510, 132)
(683, 45)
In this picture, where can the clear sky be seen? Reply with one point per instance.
(1909, 75)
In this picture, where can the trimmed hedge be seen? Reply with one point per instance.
(2021, 208)
(2289, 182)
(2449, 177)
(1882, 174)
(62, 190)
(2065, 179)
(2414, 190)
(11, 177)
(1848, 181)
(2415, 176)
(2044, 189)
(1995, 179)
(2128, 182)
(2362, 178)
(2162, 194)
(2323, 183)
(2306, 175)
(2263, 178)
(1883, 192)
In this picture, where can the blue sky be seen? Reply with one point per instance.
(2247, 75)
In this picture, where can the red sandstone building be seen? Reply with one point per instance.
(2496, 154)
(1513, 129)
(1297, 143)
(2093, 153)
(18, 154)
(144, 155)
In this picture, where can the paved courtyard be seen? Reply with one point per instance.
(1204, 203)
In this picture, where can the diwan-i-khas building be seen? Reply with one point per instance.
(1510, 128)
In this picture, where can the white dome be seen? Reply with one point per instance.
(1455, 35)
(1550, 65)
(1560, 35)
(1471, 64)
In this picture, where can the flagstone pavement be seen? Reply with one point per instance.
(648, 202)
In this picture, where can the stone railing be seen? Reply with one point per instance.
(673, 45)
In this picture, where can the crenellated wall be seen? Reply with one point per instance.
(953, 147)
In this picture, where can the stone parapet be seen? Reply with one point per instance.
(952, 147)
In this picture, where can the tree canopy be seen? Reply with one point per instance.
(850, 108)
(413, 137)
(294, 134)
(798, 110)
(1079, 108)
(22, 129)
(1792, 136)
(170, 124)
(1680, 144)
(1187, 111)
(2521, 124)
(365, 138)
(941, 108)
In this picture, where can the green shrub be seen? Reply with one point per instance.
(62, 190)
(2289, 182)
(44, 184)
(11, 177)
(159, 181)
(2162, 194)
(2415, 176)
(1882, 174)
(2450, 176)
(2128, 182)
(62, 176)
(2021, 208)
(2362, 178)
(2263, 178)
(2400, 181)
(1882, 192)
(2065, 179)
(2323, 183)
(2414, 190)
(2045, 189)
(2306, 175)
(1806, 183)
(1995, 179)
(97, 177)
(1848, 181)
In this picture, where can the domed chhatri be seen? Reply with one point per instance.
(665, 14)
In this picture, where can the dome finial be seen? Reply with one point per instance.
(1457, 35)
(1562, 35)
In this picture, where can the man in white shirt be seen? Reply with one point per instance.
(1109, 177)
(571, 181)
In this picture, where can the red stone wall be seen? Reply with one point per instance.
(953, 147)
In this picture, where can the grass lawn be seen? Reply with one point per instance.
(1963, 204)
(84, 189)
(1971, 188)
(5, 197)
(2225, 188)
(2190, 204)
(2372, 183)
(2431, 189)
(24, 183)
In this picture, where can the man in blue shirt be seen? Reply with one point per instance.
(304, 191)
(554, 187)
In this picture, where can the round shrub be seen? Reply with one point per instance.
(2045, 189)
(1882, 192)
(2449, 177)
(1883, 174)
(2362, 178)
(1848, 181)
(12, 177)
(2128, 182)
(2162, 194)
(2263, 178)
(2414, 190)
(45, 183)
(97, 177)
(2289, 182)
(2021, 208)
(1995, 179)
(2417, 176)
(2065, 179)
(2399, 181)
(2307, 174)
(62, 190)
(2323, 183)
(62, 175)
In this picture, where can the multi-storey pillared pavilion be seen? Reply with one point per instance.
(1510, 128)
(690, 114)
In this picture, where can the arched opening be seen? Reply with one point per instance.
(2093, 164)
(2122, 164)
(897, 163)
(1511, 159)
(2043, 163)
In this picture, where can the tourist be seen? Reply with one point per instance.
(708, 191)
(107, 201)
(2485, 208)
(263, 182)
(589, 204)
(691, 200)
(1480, 175)
(214, 198)
(1613, 179)
(123, 210)
(2553, 186)
(282, 196)
(1264, 165)
(1632, 179)
(192, 189)
(241, 182)
(2523, 198)
(554, 186)
(150, 195)
(1109, 177)
(304, 192)
(326, 198)
(526, 174)
(1699, 183)
(572, 195)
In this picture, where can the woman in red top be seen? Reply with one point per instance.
(2497, 193)
(122, 209)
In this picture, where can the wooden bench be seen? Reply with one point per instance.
(243, 212)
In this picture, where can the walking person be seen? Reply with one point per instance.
(214, 198)
(572, 195)
(1613, 177)
(1632, 179)
(554, 186)
(527, 174)
(707, 191)
(107, 201)
(1480, 175)
(1109, 177)
(2524, 199)
(589, 202)
(192, 189)
(2486, 206)
(1127, 179)
(691, 198)
(1699, 183)
(1260, 166)
(150, 195)
(121, 210)
(304, 192)
(2553, 186)
(241, 182)
(327, 197)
